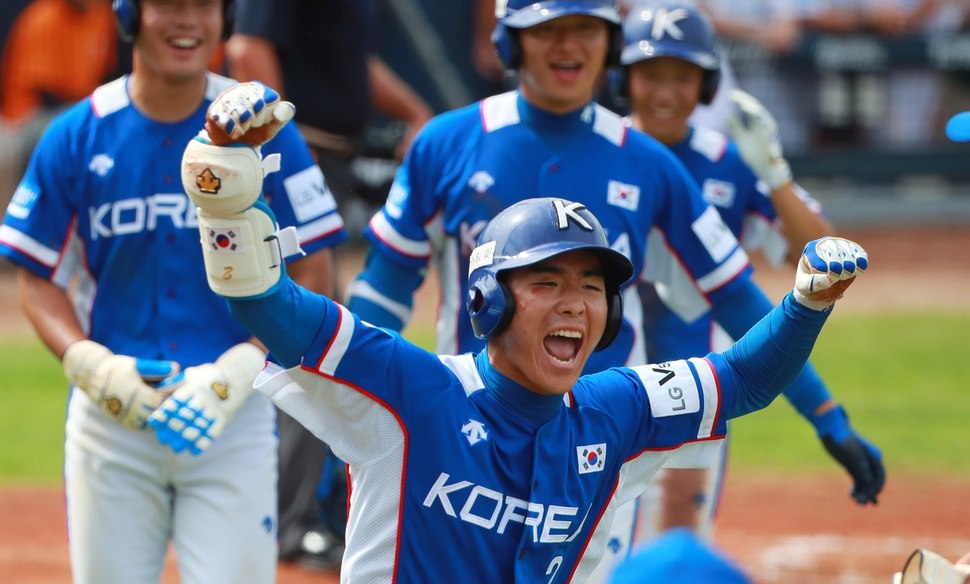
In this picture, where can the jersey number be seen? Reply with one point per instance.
(227, 273)
(554, 566)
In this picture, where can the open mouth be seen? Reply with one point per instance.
(569, 70)
(184, 42)
(563, 345)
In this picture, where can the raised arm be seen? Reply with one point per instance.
(769, 356)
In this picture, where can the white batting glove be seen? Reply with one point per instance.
(755, 131)
(827, 267)
(117, 383)
(206, 399)
(242, 108)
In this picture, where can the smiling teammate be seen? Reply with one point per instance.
(105, 240)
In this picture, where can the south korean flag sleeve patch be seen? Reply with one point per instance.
(591, 457)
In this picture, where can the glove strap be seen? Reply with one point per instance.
(244, 253)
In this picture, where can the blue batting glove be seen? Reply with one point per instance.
(858, 456)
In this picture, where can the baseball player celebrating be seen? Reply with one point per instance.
(548, 138)
(670, 65)
(105, 239)
(508, 460)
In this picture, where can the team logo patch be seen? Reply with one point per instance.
(208, 182)
(309, 194)
(623, 195)
(101, 164)
(481, 181)
(22, 202)
(221, 390)
(591, 458)
(714, 234)
(718, 192)
(474, 431)
(224, 241)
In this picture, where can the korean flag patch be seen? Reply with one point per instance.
(591, 458)
(224, 240)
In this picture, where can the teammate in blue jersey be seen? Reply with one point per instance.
(110, 276)
(670, 65)
(548, 138)
(497, 466)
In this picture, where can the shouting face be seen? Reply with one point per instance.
(560, 316)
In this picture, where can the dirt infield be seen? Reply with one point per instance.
(781, 528)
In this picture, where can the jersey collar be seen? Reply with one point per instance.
(535, 407)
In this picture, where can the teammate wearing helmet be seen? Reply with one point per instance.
(496, 466)
(104, 237)
(549, 138)
(670, 65)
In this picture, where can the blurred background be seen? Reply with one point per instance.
(862, 89)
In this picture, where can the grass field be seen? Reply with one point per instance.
(900, 376)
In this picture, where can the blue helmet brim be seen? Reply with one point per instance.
(643, 50)
(540, 12)
(617, 268)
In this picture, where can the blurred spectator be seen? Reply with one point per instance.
(56, 52)
(484, 57)
(766, 29)
(319, 56)
(914, 92)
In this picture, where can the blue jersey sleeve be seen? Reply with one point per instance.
(740, 312)
(41, 215)
(399, 229)
(769, 356)
(383, 293)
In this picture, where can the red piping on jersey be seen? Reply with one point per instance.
(400, 423)
(592, 530)
(720, 398)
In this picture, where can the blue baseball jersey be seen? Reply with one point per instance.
(745, 205)
(101, 206)
(445, 448)
(467, 165)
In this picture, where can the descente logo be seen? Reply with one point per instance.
(490, 509)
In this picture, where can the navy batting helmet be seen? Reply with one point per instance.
(511, 15)
(530, 232)
(672, 29)
(128, 18)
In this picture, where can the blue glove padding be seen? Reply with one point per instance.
(155, 371)
(860, 458)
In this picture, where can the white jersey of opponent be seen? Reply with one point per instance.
(101, 209)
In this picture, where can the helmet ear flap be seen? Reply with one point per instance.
(614, 318)
(490, 305)
(127, 18)
(507, 46)
(615, 46)
(709, 86)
